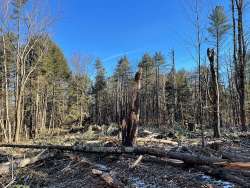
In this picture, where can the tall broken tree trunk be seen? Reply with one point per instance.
(215, 94)
(130, 125)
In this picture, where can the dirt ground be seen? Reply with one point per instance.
(67, 169)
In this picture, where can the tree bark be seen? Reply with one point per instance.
(241, 65)
(215, 94)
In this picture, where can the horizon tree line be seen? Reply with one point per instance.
(39, 92)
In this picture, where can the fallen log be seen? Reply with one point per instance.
(7, 167)
(236, 165)
(187, 158)
(193, 159)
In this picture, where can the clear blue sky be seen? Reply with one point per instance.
(109, 28)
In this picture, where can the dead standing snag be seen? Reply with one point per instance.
(130, 125)
(215, 94)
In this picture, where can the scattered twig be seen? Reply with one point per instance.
(67, 167)
(10, 183)
(9, 167)
(138, 160)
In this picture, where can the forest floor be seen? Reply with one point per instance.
(68, 169)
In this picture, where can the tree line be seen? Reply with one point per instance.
(39, 92)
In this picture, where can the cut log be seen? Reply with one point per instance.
(238, 165)
(187, 158)
(7, 167)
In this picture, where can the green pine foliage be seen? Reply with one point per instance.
(218, 22)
